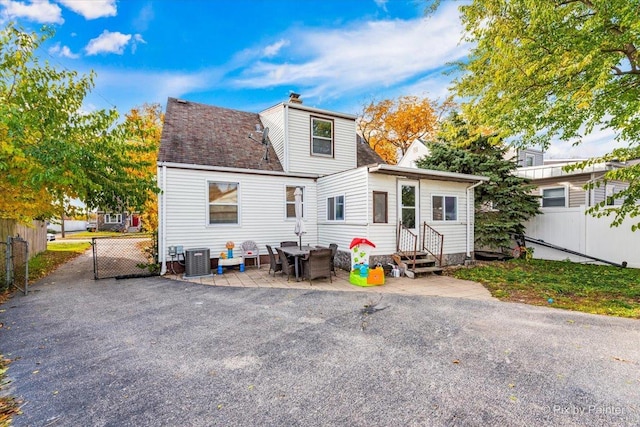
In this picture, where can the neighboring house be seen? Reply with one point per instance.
(118, 221)
(564, 222)
(525, 157)
(416, 151)
(219, 182)
(560, 188)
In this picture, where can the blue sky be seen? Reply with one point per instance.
(250, 54)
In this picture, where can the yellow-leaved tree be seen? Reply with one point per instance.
(144, 127)
(392, 125)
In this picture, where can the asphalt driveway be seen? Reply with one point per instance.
(156, 352)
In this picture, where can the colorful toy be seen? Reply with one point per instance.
(361, 274)
(230, 245)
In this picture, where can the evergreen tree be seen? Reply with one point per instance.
(503, 204)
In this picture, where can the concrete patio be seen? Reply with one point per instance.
(431, 285)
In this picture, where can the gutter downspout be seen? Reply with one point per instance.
(162, 238)
(469, 215)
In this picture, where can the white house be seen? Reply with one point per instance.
(564, 223)
(221, 182)
(416, 151)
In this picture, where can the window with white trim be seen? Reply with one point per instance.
(290, 201)
(321, 137)
(444, 208)
(111, 218)
(335, 208)
(554, 197)
(223, 203)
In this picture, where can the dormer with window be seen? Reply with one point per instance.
(310, 140)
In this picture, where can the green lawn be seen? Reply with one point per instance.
(90, 234)
(589, 288)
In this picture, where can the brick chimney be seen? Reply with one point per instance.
(294, 98)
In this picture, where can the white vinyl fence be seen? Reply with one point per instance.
(69, 225)
(570, 228)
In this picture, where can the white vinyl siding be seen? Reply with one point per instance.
(455, 232)
(273, 118)
(299, 139)
(353, 185)
(261, 211)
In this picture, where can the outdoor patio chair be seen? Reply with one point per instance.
(282, 244)
(250, 250)
(287, 267)
(317, 264)
(275, 263)
(334, 251)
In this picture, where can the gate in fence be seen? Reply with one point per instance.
(125, 256)
(15, 266)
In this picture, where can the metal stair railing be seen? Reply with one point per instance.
(432, 242)
(407, 244)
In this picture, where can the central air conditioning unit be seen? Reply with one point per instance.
(197, 262)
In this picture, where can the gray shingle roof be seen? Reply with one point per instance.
(366, 154)
(201, 134)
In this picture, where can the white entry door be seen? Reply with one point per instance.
(408, 204)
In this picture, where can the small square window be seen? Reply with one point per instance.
(444, 208)
(553, 197)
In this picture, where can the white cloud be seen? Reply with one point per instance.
(273, 49)
(144, 18)
(137, 39)
(331, 62)
(108, 42)
(92, 9)
(40, 11)
(63, 51)
(381, 4)
(597, 143)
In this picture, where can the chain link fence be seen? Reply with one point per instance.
(125, 256)
(14, 271)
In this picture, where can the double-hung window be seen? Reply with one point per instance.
(554, 197)
(335, 208)
(290, 201)
(444, 208)
(223, 203)
(321, 137)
